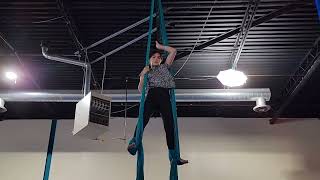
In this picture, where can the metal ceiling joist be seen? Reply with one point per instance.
(263, 19)
(297, 81)
(242, 36)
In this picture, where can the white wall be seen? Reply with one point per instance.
(217, 148)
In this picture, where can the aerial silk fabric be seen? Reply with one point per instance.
(174, 155)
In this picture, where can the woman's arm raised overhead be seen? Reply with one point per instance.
(172, 52)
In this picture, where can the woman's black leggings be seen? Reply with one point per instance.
(158, 99)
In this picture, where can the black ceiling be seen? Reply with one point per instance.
(272, 52)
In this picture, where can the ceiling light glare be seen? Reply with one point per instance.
(12, 76)
(232, 78)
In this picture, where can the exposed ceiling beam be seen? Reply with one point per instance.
(297, 81)
(242, 36)
(263, 19)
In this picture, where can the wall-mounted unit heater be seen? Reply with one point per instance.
(92, 115)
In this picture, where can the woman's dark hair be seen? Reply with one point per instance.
(152, 52)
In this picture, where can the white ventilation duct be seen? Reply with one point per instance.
(182, 95)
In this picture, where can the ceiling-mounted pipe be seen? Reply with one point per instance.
(121, 31)
(124, 46)
(87, 79)
(61, 59)
(118, 33)
(182, 95)
(85, 65)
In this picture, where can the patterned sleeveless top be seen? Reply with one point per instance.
(160, 76)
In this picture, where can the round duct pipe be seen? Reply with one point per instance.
(182, 95)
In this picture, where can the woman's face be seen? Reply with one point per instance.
(155, 59)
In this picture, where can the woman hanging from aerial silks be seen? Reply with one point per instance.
(159, 82)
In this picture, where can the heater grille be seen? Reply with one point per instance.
(100, 111)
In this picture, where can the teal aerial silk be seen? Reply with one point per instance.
(318, 7)
(174, 155)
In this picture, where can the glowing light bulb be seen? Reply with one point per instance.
(232, 78)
